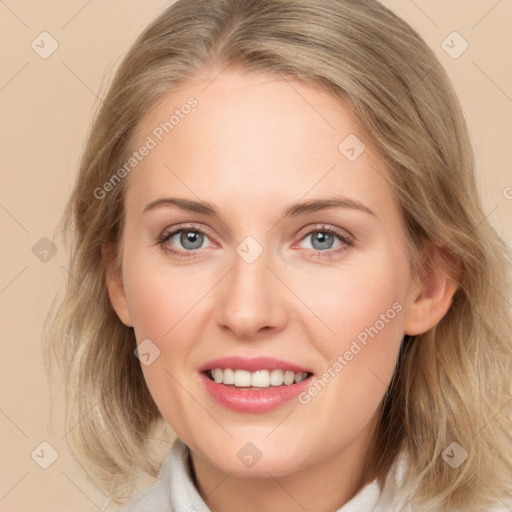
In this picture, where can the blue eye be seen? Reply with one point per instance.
(325, 241)
(191, 239)
(323, 238)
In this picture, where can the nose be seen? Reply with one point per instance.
(251, 300)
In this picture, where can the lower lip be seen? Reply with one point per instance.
(253, 400)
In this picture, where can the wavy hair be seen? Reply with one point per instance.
(451, 383)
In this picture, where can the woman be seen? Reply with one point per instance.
(280, 253)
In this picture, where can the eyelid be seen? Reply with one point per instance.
(167, 232)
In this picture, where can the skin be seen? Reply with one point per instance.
(253, 146)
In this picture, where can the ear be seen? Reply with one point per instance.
(432, 292)
(115, 285)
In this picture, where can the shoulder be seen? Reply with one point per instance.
(174, 488)
(397, 494)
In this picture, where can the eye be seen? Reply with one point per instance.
(324, 241)
(327, 240)
(184, 240)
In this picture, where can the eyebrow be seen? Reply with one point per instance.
(314, 205)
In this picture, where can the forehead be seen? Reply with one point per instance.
(256, 139)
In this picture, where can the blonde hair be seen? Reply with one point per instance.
(451, 383)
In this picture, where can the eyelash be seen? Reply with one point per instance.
(349, 242)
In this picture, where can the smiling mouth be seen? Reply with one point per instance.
(259, 379)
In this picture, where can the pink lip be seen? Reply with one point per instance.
(252, 364)
(252, 400)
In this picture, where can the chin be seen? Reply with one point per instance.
(256, 458)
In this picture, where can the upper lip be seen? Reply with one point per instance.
(252, 364)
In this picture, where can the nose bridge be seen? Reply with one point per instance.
(251, 300)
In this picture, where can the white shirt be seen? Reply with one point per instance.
(175, 491)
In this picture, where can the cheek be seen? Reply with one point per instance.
(166, 308)
(164, 313)
(362, 312)
(160, 297)
(360, 301)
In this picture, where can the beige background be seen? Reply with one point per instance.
(47, 107)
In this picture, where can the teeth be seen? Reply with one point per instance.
(276, 377)
(289, 378)
(228, 376)
(260, 379)
(242, 378)
(257, 379)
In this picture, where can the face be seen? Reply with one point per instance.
(259, 245)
